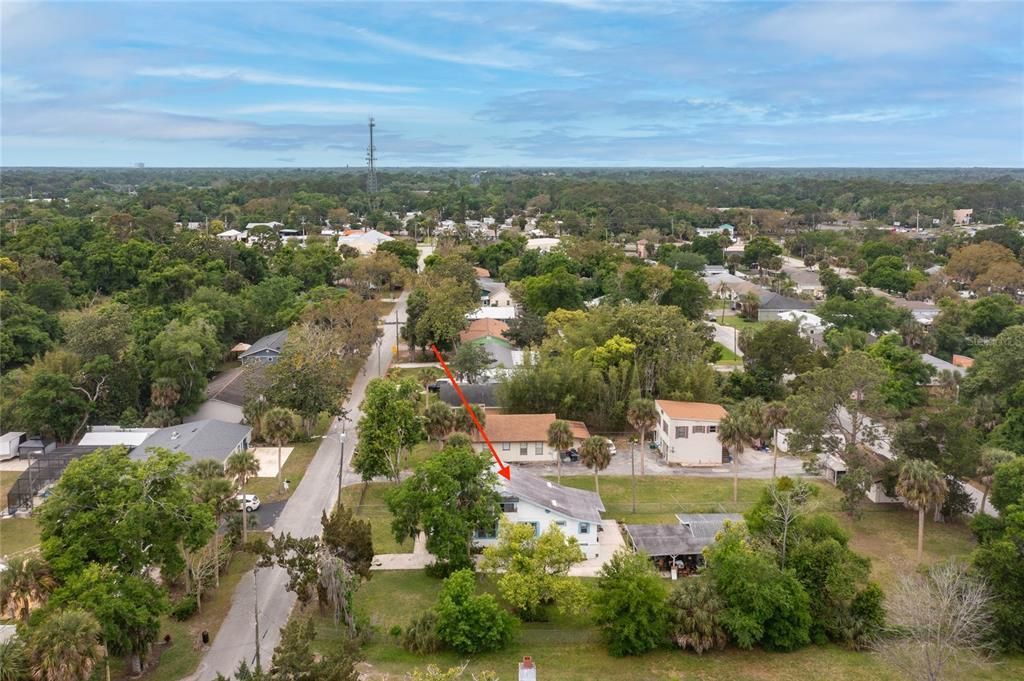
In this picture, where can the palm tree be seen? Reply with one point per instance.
(253, 411)
(560, 439)
(922, 484)
(438, 420)
(775, 416)
(215, 492)
(596, 453)
(642, 414)
(207, 469)
(278, 429)
(462, 421)
(65, 647)
(24, 585)
(164, 393)
(13, 665)
(749, 302)
(241, 466)
(733, 433)
(426, 377)
(991, 457)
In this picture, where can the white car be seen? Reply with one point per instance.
(250, 502)
(611, 446)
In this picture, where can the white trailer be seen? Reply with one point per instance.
(9, 445)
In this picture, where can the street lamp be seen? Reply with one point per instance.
(632, 467)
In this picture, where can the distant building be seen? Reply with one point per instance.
(963, 216)
(488, 312)
(233, 235)
(687, 432)
(681, 545)
(772, 305)
(494, 293)
(364, 241)
(543, 243)
(483, 328)
(523, 438)
(266, 350)
(270, 225)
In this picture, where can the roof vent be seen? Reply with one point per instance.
(175, 435)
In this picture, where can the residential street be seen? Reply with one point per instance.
(301, 517)
(727, 336)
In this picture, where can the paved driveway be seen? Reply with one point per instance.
(727, 336)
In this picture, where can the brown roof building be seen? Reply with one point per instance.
(523, 438)
(481, 328)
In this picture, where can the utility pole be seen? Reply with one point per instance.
(632, 467)
(341, 462)
(256, 612)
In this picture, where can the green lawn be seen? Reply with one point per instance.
(569, 648)
(738, 322)
(370, 506)
(728, 356)
(419, 454)
(18, 534)
(182, 657)
(294, 469)
(7, 479)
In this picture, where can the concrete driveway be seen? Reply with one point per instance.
(727, 336)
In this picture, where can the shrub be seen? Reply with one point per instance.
(420, 637)
(184, 608)
(469, 623)
(694, 614)
(630, 604)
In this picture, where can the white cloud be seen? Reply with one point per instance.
(256, 77)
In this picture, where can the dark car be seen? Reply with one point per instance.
(571, 455)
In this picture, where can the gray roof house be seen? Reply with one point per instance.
(772, 304)
(266, 349)
(200, 440)
(688, 539)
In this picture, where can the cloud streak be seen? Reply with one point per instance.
(257, 77)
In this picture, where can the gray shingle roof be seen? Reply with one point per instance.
(272, 342)
(208, 439)
(575, 503)
(774, 301)
(476, 393)
(688, 538)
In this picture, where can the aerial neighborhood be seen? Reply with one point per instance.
(548, 341)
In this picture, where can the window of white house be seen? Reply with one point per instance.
(560, 523)
(664, 426)
(682, 431)
(538, 449)
(522, 449)
(485, 533)
(584, 528)
(536, 528)
(505, 446)
(699, 429)
(712, 429)
(509, 507)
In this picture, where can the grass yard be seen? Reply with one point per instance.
(738, 322)
(182, 657)
(7, 479)
(294, 468)
(370, 506)
(419, 454)
(570, 649)
(17, 535)
(728, 356)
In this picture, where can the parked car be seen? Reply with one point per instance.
(611, 446)
(571, 455)
(250, 502)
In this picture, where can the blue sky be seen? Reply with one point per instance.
(558, 83)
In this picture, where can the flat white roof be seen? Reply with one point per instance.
(111, 438)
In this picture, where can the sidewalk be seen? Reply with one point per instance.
(417, 560)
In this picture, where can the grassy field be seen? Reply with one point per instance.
(369, 505)
(18, 534)
(182, 657)
(7, 479)
(420, 453)
(570, 649)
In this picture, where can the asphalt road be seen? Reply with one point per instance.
(300, 516)
(727, 336)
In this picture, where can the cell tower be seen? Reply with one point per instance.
(371, 163)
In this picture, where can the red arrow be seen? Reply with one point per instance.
(503, 469)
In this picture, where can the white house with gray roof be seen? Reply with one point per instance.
(530, 499)
(200, 440)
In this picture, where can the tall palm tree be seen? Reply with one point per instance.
(438, 420)
(733, 433)
(596, 454)
(922, 484)
(279, 429)
(24, 585)
(462, 422)
(215, 492)
(164, 393)
(560, 439)
(65, 647)
(642, 414)
(253, 411)
(991, 457)
(207, 469)
(775, 416)
(240, 467)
